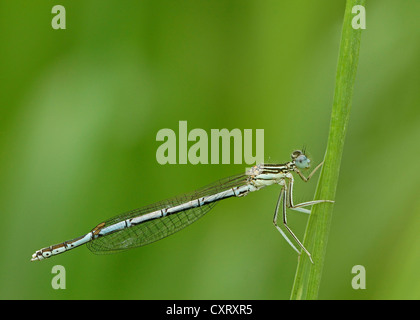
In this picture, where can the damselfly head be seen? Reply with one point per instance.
(300, 159)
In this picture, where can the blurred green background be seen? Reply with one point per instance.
(79, 113)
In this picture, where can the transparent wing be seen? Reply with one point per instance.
(153, 230)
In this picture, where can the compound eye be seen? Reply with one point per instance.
(296, 154)
(302, 162)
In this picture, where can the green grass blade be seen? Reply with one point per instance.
(308, 275)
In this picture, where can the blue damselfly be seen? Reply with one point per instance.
(154, 222)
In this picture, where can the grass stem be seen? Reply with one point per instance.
(308, 275)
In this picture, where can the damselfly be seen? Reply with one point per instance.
(154, 222)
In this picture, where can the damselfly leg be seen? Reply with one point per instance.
(277, 226)
(286, 197)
